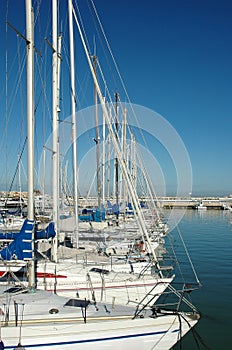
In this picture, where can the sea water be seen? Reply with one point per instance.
(208, 236)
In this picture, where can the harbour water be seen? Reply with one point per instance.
(208, 236)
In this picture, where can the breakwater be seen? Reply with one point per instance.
(194, 203)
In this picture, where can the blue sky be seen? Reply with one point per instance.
(175, 58)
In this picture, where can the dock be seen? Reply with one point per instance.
(192, 203)
(167, 202)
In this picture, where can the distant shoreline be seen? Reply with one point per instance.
(190, 202)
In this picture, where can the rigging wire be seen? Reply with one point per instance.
(83, 28)
(17, 167)
(94, 49)
(188, 255)
(117, 70)
(11, 99)
(101, 42)
(102, 75)
(6, 85)
(110, 50)
(21, 95)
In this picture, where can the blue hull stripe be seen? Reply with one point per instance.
(94, 340)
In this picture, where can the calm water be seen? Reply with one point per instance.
(208, 236)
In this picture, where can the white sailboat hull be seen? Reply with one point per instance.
(42, 320)
(160, 333)
(72, 280)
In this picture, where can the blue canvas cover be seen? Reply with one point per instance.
(21, 246)
(49, 232)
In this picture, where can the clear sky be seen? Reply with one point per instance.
(175, 58)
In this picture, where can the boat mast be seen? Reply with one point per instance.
(97, 138)
(55, 158)
(20, 187)
(116, 159)
(74, 137)
(133, 161)
(115, 142)
(103, 158)
(30, 131)
(124, 154)
(108, 165)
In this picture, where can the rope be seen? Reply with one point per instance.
(157, 343)
(196, 335)
(180, 332)
(188, 256)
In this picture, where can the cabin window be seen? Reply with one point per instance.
(15, 289)
(77, 303)
(103, 271)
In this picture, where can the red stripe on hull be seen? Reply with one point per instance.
(48, 275)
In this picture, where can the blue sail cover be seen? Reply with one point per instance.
(109, 208)
(96, 215)
(8, 236)
(115, 209)
(21, 247)
(99, 215)
(49, 232)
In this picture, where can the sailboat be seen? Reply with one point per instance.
(39, 319)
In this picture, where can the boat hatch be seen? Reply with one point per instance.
(103, 271)
(15, 289)
(82, 303)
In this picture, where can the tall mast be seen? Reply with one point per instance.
(115, 142)
(133, 161)
(30, 129)
(124, 152)
(108, 165)
(20, 188)
(97, 137)
(74, 137)
(55, 162)
(116, 159)
(103, 158)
